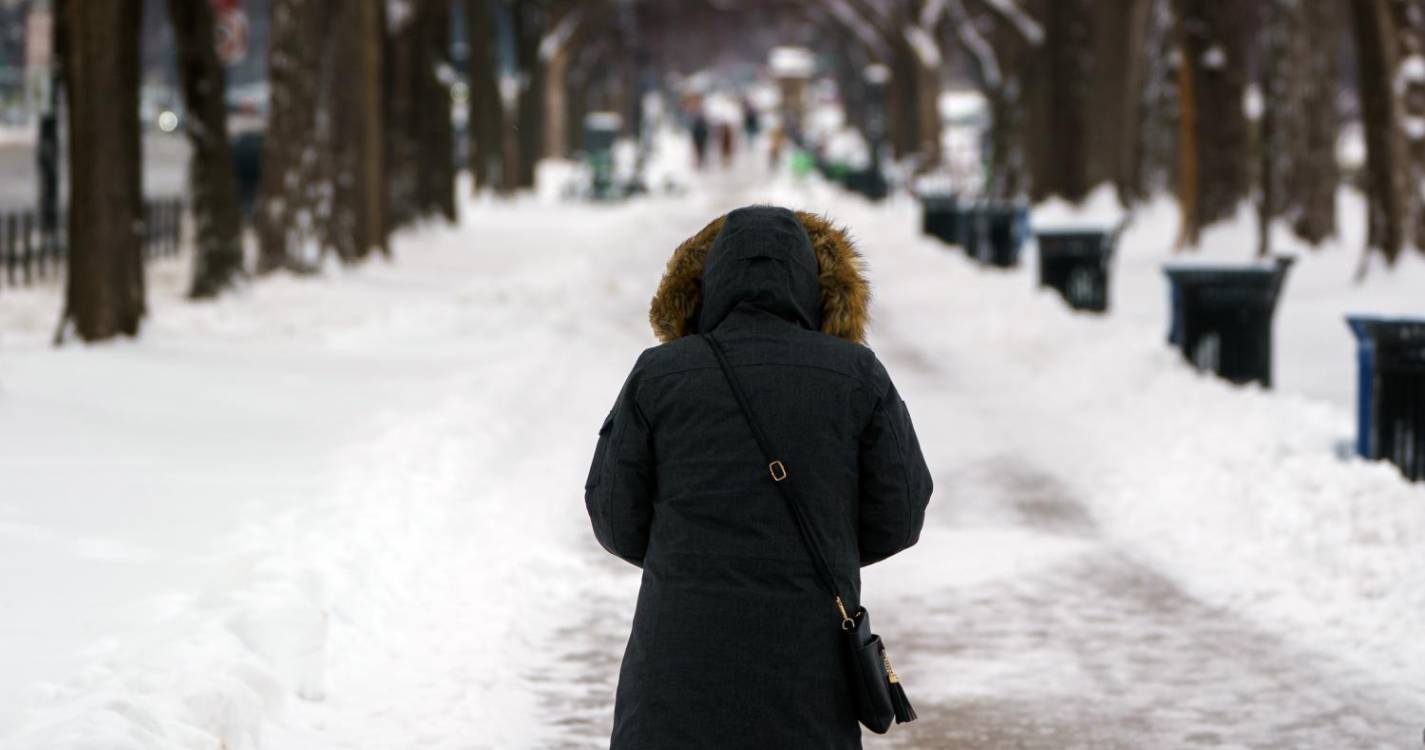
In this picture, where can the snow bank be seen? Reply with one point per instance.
(1250, 499)
(316, 497)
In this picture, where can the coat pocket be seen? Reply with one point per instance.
(601, 453)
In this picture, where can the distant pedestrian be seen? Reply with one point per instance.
(700, 138)
(728, 139)
(751, 121)
(735, 642)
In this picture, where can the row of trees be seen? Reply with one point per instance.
(1150, 95)
(1147, 95)
(358, 141)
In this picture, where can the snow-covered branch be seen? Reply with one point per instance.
(975, 43)
(559, 35)
(923, 42)
(1019, 19)
(859, 25)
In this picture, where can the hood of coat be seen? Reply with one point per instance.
(795, 265)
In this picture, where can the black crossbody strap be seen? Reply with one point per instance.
(781, 478)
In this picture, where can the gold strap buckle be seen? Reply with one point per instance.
(779, 472)
(847, 622)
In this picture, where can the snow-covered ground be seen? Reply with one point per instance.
(347, 511)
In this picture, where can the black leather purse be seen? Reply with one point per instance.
(877, 691)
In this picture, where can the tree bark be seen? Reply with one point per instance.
(1117, 75)
(216, 214)
(1215, 39)
(1272, 153)
(1155, 147)
(104, 294)
(1312, 80)
(437, 142)
(487, 111)
(1189, 195)
(1057, 100)
(573, 22)
(402, 121)
(1408, 84)
(530, 22)
(294, 206)
(1376, 59)
(1001, 52)
(358, 132)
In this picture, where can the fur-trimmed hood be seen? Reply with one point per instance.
(833, 296)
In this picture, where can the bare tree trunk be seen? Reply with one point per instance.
(104, 294)
(1117, 75)
(1000, 52)
(1312, 82)
(530, 21)
(927, 59)
(903, 93)
(573, 22)
(1408, 19)
(1273, 156)
(556, 105)
(1376, 59)
(927, 112)
(577, 85)
(402, 121)
(293, 203)
(1188, 193)
(437, 141)
(1154, 161)
(216, 214)
(487, 111)
(1215, 38)
(1007, 179)
(1057, 99)
(358, 130)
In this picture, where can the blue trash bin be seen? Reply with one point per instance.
(1390, 397)
(1222, 317)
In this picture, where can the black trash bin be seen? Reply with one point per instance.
(940, 217)
(1391, 395)
(996, 232)
(869, 183)
(970, 229)
(1222, 317)
(1076, 262)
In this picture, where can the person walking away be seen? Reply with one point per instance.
(734, 643)
(700, 138)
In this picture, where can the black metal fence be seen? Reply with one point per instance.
(29, 254)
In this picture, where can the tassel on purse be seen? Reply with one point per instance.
(899, 702)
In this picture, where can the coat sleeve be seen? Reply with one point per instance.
(895, 482)
(621, 485)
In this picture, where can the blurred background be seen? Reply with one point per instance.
(309, 310)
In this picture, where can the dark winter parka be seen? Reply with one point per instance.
(735, 643)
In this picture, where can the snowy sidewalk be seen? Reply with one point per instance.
(378, 540)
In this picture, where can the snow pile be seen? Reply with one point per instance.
(1249, 498)
(341, 494)
(345, 511)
